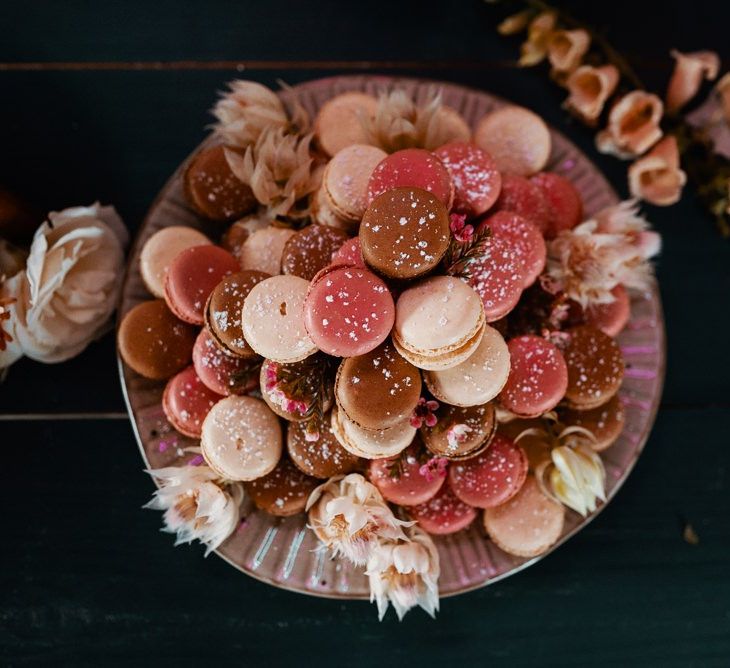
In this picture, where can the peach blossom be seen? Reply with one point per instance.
(566, 48)
(534, 50)
(633, 125)
(657, 177)
(689, 71)
(589, 88)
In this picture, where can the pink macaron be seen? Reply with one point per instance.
(350, 253)
(526, 239)
(348, 311)
(412, 167)
(525, 198)
(538, 376)
(610, 318)
(222, 372)
(400, 479)
(493, 477)
(443, 514)
(476, 179)
(499, 277)
(186, 401)
(192, 276)
(564, 204)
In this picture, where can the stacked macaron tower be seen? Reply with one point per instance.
(397, 326)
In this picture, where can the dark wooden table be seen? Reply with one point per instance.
(102, 101)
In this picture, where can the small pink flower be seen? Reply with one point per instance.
(425, 412)
(457, 434)
(461, 231)
(434, 468)
(311, 436)
(270, 375)
(689, 71)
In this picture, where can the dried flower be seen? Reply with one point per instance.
(70, 286)
(515, 23)
(280, 171)
(246, 111)
(405, 574)
(5, 336)
(399, 123)
(534, 50)
(198, 505)
(614, 247)
(633, 125)
(589, 88)
(657, 176)
(466, 250)
(424, 412)
(457, 434)
(689, 71)
(349, 516)
(434, 468)
(459, 228)
(566, 48)
(723, 91)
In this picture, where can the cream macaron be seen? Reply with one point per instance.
(263, 249)
(369, 443)
(478, 379)
(241, 438)
(439, 323)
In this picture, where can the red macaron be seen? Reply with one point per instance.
(565, 206)
(444, 513)
(220, 371)
(401, 480)
(186, 401)
(525, 198)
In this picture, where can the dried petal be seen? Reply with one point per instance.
(589, 88)
(566, 49)
(515, 23)
(633, 125)
(657, 176)
(534, 50)
(689, 71)
(723, 91)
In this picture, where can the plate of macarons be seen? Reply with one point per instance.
(363, 292)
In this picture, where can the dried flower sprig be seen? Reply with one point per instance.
(466, 249)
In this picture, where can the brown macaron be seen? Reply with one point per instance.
(461, 432)
(605, 422)
(404, 233)
(224, 308)
(154, 342)
(213, 190)
(379, 389)
(320, 458)
(595, 368)
(283, 492)
(310, 250)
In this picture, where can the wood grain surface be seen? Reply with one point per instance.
(102, 101)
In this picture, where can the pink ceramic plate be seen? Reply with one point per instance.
(283, 552)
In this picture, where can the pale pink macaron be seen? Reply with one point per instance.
(340, 121)
(499, 277)
(610, 318)
(412, 168)
(161, 249)
(528, 524)
(476, 179)
(401, 481)
(350, 253)
(517, 139)
(263, 249)
(348, 311)
(346, 179)
(273, 319)
(444, 513)
(492, 477)
(538, 377)
(220, 371)
(526, 239)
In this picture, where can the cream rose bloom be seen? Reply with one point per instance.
(70, 286)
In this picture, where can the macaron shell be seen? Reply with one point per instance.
(478, 425)
(237, 233)
(263, 249)
(446, 360)
(339, 122)
(517, 139)
(412, 168)
(192, 276)
(323, 214)
(311, 249)
(605, 422)
(371, 444)
(186, 401)
(476, 380)
(538, 377)
(241, 438)
(161, 249)
(524, 237)
(491, 478)
(348, 311)
(283, 492)
(153, 342)
(524, 198)
(475, 176)
(350, 253)
(400, 481)
(563, 200)
(322, 458)
(273, 319)
(610, 318)
(220, 371)
(528, 524)
(444, 513)
(595, 367)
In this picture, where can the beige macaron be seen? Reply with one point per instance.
(263, 248)
(339, 122)
(517, 139)
(273, 319)
(371, 444)
(438, 323)
(476, 380)
(161, 249)
(528, 524)
(241, 438)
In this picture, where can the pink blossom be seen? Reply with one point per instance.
(425, 412)
(434, 468)
(461, 231)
